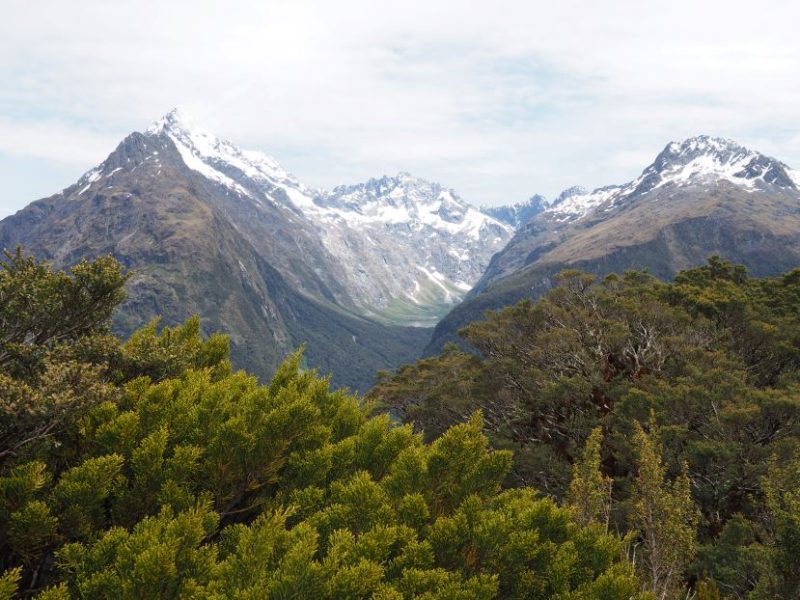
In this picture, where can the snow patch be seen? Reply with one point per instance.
(701, 159)
(438, 278)
(89, 178)
(209, 155)
(416, 221)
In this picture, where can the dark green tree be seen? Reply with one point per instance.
(170, 475)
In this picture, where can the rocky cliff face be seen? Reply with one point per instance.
(411, 249)
(700, 197)
(398, 249)
(220, 240)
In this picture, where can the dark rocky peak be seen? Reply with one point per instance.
(575, 190)
(706, 159)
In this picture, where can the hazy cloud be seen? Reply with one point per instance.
(498, 102)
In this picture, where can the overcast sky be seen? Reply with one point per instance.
(499, 100)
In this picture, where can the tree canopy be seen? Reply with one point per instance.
(150, 468)
(696, 379)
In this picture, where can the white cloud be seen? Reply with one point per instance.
(498, 102)
(54, 140)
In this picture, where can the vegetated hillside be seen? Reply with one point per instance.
(149, 469)
(708, 364)
(193, 246)
(701, 197)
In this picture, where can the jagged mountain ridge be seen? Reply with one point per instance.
(258, 212)
(207, 228)
(699, 197)
(697, 160)
(339, 269)
(405, 250)
(412, 247)
(516, 215)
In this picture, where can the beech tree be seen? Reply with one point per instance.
(590, 490)
(41, 308)
(666, 517)
(49, 322)
(713, 355)
(172, 476)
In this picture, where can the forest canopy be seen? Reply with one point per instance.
(619, 438)
(668, 411)
(149, 468)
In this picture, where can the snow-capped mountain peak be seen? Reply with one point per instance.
(697, 161)
(408, 248)
(575, 190)
(405, 199)
(706, 144)
(176, 119)
(388, 188)
(704, 158)
(430, 243)
(246, 172)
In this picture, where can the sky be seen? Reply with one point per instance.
(497, 100)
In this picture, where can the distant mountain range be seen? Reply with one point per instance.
(360, 273)
(206, 227)
(516, 215)
(403, 249)
(700, 197)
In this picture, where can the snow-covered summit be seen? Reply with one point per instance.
(570, 192)
(177, 118)
(409, 200)
(246, 172)
(408, 248)
(699, 160)
(712, 158)
(402, 189)
(388, 200)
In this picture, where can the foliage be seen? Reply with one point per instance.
(713, 356)
(590, 490)
(170, 476)
(44, 314)
(666, 517)
(40, 308)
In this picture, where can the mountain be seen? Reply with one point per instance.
(516, 215)
(206, 227)
(411, 249)
(699, 197)
(405, 250)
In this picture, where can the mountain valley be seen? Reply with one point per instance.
(361, 273)
(700, 197)
(207, 228)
